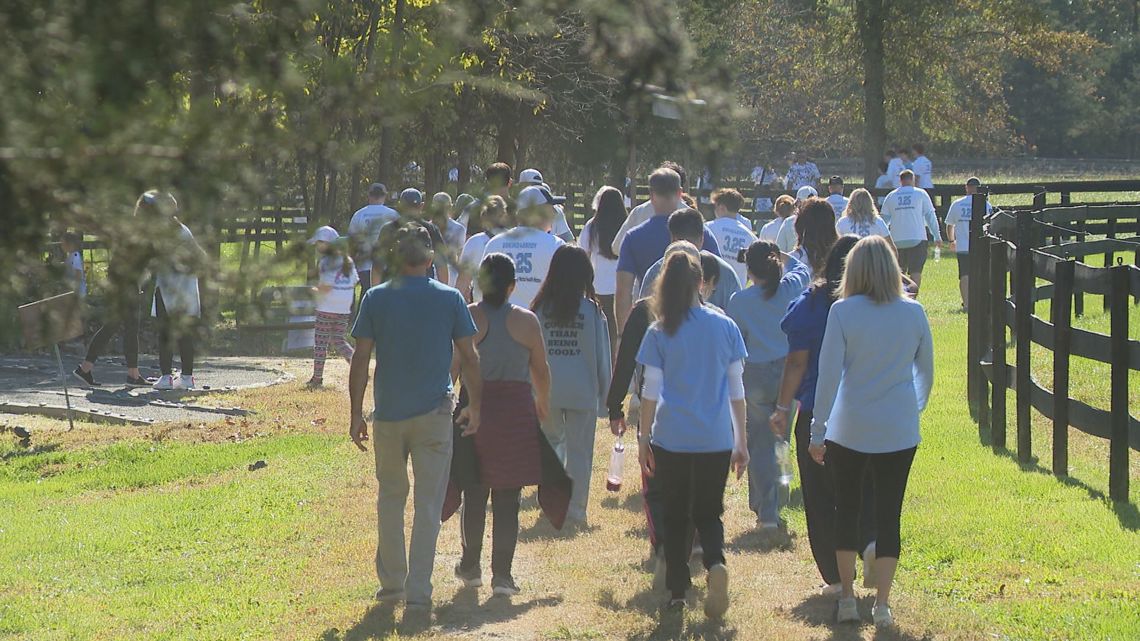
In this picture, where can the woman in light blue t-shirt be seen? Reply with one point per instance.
(693, 407)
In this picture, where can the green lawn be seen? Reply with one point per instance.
(162, 533)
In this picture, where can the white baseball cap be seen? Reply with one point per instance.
(534, 196)
(326, 234)
(531, 176)
(805, 192)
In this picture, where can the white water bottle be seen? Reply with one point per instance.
(783, 463)
(617, 462)
(937, 253)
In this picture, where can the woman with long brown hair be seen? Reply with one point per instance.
(578, 350)
(815, 233)
(692, 423)
(597, 239)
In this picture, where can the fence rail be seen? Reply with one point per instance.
(1007, 263)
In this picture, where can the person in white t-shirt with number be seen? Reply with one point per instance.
(559, 227)
(731, 234)
(958, 233)
(364, 229)
(530, 245)
(495, 219)
(336, 283)
(860, 217)
(909, 213)
(785, 206)
(895, 166)
(835, 196)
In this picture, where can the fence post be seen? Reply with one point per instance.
(1023, 330)
(1062, 307)
(1078, 295)
(977, 305)
(1109, 257)
(1118, 442)
(999, 267)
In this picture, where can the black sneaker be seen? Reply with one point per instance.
(86, 377)
(138, 381)
(504, 586)
(471, 577)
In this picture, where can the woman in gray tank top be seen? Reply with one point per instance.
(516, 397)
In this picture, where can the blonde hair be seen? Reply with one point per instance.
(861, 207)
(872, 271)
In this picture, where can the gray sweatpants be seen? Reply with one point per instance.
(427, 439)
(571, 434)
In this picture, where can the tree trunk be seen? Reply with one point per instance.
(871, 20)
(387, 134)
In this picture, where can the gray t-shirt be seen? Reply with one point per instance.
(579, 357)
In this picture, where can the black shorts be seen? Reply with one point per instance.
(913, 259)
(963, 264)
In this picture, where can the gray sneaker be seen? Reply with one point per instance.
(471, 577)
(716, 601)
(848, 611)
(504, 586)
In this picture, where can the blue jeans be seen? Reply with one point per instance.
(761, 388)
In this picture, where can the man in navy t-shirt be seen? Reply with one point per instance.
(646, 243)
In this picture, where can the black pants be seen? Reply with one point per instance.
(173, 330)
(504, 528)
(122, 316)
(890, 472)
(820, 502)
(693, 487)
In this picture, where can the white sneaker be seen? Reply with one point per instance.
(882, 616)
(869, 578)
(716, 601)
(164, 382)
(186, 381)
(848, 611)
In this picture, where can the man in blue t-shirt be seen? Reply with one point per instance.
(412, 322)
(645, 244)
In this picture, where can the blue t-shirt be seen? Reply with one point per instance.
(646, 244)
(413, 321)
(693, 412)
(805, 324)
(758, 316)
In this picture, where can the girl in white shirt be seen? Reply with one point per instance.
(861, 217)
(597, 239)
(335, 287)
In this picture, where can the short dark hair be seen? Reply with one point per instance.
(730, 198)
(664, 182)
(710, 267)
(687, 224)
(498, 173)
(413, 244)
(920, 149)
(376, 190)
(669, 164)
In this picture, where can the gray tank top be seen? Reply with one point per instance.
(502, 358)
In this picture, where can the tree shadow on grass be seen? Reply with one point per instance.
(818, 610)
(29, 451)
(756, 540)
(669, 625)
(1127, 513)
(465, 612)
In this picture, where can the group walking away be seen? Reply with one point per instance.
(714, 344)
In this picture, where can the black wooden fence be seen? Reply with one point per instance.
(1008, 259)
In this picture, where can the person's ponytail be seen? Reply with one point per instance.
(763, 260)
(676, 290)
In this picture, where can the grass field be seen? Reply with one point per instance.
(162, 533)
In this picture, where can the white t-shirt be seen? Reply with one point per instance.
(454, 235)
(470, 259)
(758, 175)
(178, 286)
(605, 269)
(76, 273)
(922, 168)
(771, 230)
(959, 215)
(637, 215)
(531, 249)
(838, 202)
(894, 168)
(883, 182)
(337, 300)
(732, 236)
(787, 239)
(560, 227)
(877, 227)
(909, 212)
(364, 228)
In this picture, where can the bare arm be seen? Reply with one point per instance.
(472, 382)
(463, 284)
(357, 385)
(794, 368)
(740, 437)
(623, 297)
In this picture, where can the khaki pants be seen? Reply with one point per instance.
(427, 439)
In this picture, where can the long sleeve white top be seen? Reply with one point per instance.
(870, 391)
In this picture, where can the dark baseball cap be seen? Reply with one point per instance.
(412, 196)
(835, 180)
(377, 189)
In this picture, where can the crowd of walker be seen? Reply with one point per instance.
(500, 340)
